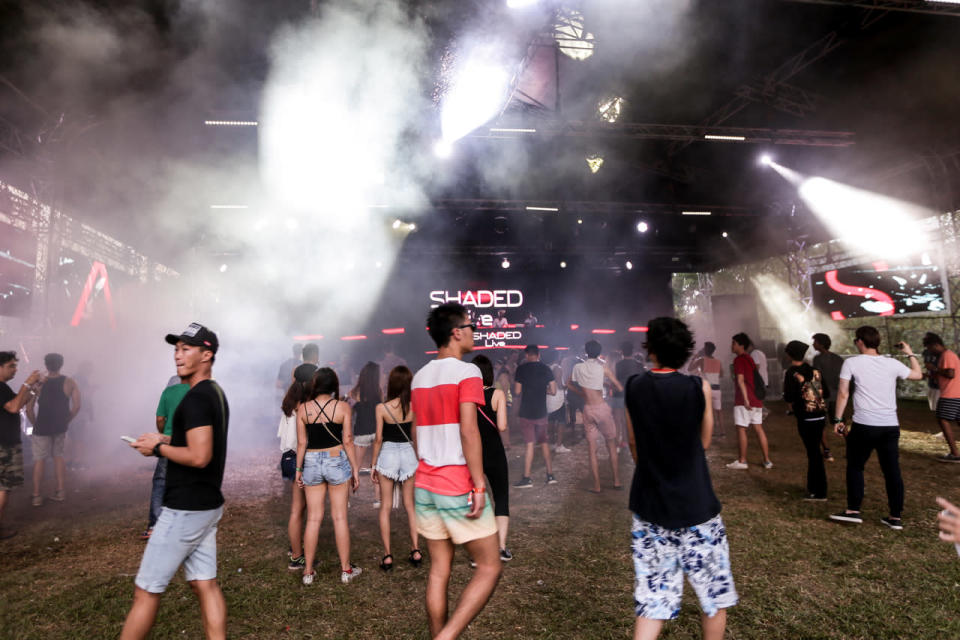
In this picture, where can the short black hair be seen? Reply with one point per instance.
(7, 356)
(53, 362)
(532, 349)
(868, 335)
(670, 341)
(626, 348)
(743, 340)
(709, 348)
(310, 351)
(796, 350)
(443, 320)
(326, 382)
(823, 339)
(486, 369)
(930, 338)
(592, 348)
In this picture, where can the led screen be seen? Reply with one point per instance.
(880, 289)
(18, 253)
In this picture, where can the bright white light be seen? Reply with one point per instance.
(508, 130)
(610, 109)
(519, 4)
(229, 206)
(595, 162)
(443, 149)
(628, 265)
(642, 227)
(378, 264)
(697, 213)
(396, 223)
(878, 225)
(223, 268)
(725, 234)
(563, 264)
(412, 227)
(944, 1)
(574, 41)
(542, 209)
(766, 160)
(231, 123)
(711, 136)
(292, 224)
(476, 95)
(579, 220)
(505, 264)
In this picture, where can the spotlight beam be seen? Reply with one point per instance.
(931, 7)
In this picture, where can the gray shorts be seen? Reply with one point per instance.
(180, 537)
(320, 467)
(47, 446)
(397, 461)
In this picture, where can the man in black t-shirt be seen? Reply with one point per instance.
(11, 450)
(186, 531)
(532, 382)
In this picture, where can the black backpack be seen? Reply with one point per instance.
(759, 388)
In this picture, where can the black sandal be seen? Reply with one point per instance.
(415, 561)
(384, 565)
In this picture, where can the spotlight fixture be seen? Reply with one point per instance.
(723, 138)
(610, 108)
(696, 213)
(552, 209)
(572, 38)
(628, 265)
(579, 220)
(223, 268)
(231, 123)
(595, 162)
(642, 227)
(396, 223)
(725, 234)
(505, 264)
(510, 130)
(443, 149)
(412, 226)
(766, 160)
(563, 264)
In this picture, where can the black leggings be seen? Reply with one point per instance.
(495, 468)
(811, 432)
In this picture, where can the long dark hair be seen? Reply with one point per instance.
(486, 369)
(368, 383)
(296, 394)
(398, 386)
(324, 382)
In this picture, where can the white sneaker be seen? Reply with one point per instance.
(346, 577)
(736, 464)
(767, 464)
(560, 449)
(308, 578)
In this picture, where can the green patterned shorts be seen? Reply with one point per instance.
(11, 466)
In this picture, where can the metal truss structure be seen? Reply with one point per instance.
(912, 6)
(593, 207)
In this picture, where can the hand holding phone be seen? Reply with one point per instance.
(128, 439)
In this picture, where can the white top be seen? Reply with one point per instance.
(875, 396)
(589, 374)
(761, 359)
(554, 402)
(287, 432)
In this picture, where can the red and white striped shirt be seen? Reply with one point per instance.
(437, 391)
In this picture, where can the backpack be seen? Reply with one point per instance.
(811, 394)
(759, 388)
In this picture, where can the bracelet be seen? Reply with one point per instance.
(912, 355)
(300, 469)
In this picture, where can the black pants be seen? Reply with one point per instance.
(811, 432)
(860, 443)
(495, 468)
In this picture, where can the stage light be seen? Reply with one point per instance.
(595, 162)
(412, 226)
(579, 220)
(711, 136)
(443, 149)
(229, 206)
(563, 264)
(628, 265)
(574, 41)
(642, 227)
(725, 234)
(231, 123)
(554, 209)
(944, 1)
(766, 160)
(378, 264)
(505, 264)
(223, 268)
(697, 213)
(875, 224)
(477, 94)
(511, 130)
(610, 108)
(519, 4)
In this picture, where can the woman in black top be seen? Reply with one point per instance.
(677, 529)
(326, 463)
(492, 421)
(805, 391)
(366, 396)
(395, 460)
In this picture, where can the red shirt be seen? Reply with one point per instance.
(744, 364)
(949, 387)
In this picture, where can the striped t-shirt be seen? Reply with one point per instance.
(437, 391)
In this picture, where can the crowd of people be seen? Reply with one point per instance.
(435, 441)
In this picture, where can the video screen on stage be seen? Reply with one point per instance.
(880, 288)
(18, 254)
(504, 317)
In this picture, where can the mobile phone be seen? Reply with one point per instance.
(128, 439)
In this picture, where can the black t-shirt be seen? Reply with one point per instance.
(189, 488)
(793, 388)
(535, 378)
(624, 369)
(9, 422)
(671, 483)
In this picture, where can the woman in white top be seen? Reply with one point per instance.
(288, 459)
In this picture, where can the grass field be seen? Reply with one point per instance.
(69, 573)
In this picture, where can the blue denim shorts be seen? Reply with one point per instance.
(397, 461)
(320, 467)
(180, 537)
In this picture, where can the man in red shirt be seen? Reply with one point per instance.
(450, 491)
(748, 409)
(948, 406)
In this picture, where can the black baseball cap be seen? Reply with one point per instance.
(197, 335)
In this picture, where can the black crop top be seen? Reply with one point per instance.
(397, 432)
(319, 433)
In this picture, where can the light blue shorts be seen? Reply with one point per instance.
(320, 467)
(180, 537)
(397, 461)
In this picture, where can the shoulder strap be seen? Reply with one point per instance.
(397, 422)
(329, 420)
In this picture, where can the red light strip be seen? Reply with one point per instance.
(354, 338)
(311, 336)
(561, 348)
(604, 331)
(638, 329)
(394, 332)
(574, 327)
(97, 269)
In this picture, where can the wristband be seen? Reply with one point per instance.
(837, 420)
(156, 449)
(300, 469)
(478, 490)
(912, 355)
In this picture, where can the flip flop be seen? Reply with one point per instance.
(596, 491)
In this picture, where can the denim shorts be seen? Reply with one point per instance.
(397, 461)
(320, 467)
(180, 537)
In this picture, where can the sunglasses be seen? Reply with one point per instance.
(473, 327)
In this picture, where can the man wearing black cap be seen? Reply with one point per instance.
(186, 532)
